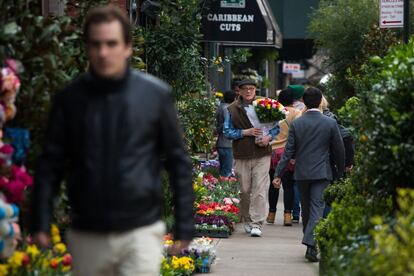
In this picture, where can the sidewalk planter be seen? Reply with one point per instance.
(206, 266)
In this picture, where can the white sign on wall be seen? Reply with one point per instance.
(391, 13)
(289, 68)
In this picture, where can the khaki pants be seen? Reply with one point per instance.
(253, 175)
(136, 252)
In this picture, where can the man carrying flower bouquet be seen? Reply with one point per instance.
(111, 131)
(252, 154)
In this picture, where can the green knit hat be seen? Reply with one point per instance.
(297, 90)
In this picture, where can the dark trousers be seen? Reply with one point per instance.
(296, 201)
(226, 161)
(313, 206)
(288, 195)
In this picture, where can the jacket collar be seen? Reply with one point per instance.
(107, 85)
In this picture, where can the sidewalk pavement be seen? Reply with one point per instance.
(278, 252)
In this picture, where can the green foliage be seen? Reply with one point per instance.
(173, 48)
(50, 50)
(346, 30)
(386, 114)
(348, 114)
(337, 191)
(345, 232)
(392, 250)
(340, 26)
(138, 44)
(196, 114)
(351, 241)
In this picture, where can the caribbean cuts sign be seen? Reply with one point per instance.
(237, 22)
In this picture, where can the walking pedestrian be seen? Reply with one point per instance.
(110, 132)
(278, 146)
(224, 145)
(313, 139)
(252, 158)
(298, 91)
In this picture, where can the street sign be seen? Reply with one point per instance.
(233, 4)
(391, 14)
(290, 68)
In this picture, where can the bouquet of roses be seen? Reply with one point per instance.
(265, 113)
(269, 110)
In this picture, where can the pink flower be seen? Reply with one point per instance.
(15, 191)
(7, 149)
(236, 201)
(227, 201)
(4, 182)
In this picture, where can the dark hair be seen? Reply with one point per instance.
(105, 14)
(285, 97)
(312, 97)
(229, 96)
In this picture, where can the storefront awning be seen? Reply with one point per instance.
(241, 23)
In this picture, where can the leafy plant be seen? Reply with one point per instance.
(351, 241)
(172, 48)
(347, 33)
(196, 114)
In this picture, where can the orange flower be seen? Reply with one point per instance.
(54, 263)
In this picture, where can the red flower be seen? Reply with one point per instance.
(26, 260)
(67, 260)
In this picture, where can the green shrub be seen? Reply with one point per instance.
(196, 114)
(172, 48)
(337, 191)
(392, 250)
(351, 241)
(386, 113)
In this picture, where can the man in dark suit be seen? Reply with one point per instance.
(312, 139)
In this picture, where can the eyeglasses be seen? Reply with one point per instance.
(248, 88)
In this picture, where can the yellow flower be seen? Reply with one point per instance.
(169, 242)
(4, 270)
(45, 263)
(54, 230)
(32, 251)
(15, 261)
(268, 106)
(66, 269)
(56, 239)
(60, 248)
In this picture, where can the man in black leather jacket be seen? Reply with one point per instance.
(111, 131)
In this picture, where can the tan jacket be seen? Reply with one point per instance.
(281, 139)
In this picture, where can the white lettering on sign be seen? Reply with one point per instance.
(248, 18)
(232, 20)
(391, 13)
(230, 27)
